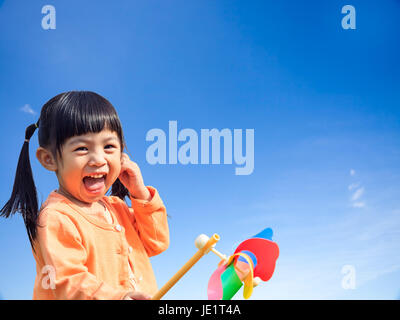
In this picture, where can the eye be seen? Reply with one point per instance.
(81, 149)
(109, 146)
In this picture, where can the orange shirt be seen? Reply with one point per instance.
(80, 257)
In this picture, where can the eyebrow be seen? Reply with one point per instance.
(87, 140)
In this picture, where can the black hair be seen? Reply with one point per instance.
(62, 117)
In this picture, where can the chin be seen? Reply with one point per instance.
(90, 197)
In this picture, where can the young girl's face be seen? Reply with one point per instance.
(89, 165)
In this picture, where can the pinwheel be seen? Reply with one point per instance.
(252, 261)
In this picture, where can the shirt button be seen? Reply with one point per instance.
(118, 228)
(130, 249)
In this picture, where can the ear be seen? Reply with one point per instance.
(46, 158)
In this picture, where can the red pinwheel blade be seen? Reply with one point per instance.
(266, 252)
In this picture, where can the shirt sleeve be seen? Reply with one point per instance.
(61, 246)
(150, 222)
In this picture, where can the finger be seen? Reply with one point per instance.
(125, 156)
(141, 296)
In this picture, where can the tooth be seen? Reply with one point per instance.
(96, 176)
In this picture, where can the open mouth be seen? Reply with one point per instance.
(95, 183)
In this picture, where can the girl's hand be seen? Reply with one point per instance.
(136, 295)
(132, 179)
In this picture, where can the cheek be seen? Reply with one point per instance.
(71, 170)
(115, 168)
(72, 176)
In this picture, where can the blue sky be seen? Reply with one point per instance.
(323, 103)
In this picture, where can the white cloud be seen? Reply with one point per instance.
(358, 204)
(353, 186)
(357, 194)
(355, 200)
(28, 109)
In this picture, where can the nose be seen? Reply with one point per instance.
(97, 159)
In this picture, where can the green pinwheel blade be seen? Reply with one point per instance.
(230, 283)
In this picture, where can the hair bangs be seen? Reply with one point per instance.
(82, 112)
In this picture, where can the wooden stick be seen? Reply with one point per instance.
(196, 257)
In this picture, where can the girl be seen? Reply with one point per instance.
(88, 245)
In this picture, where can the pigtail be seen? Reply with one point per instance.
(24, 196)
(119, 190)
